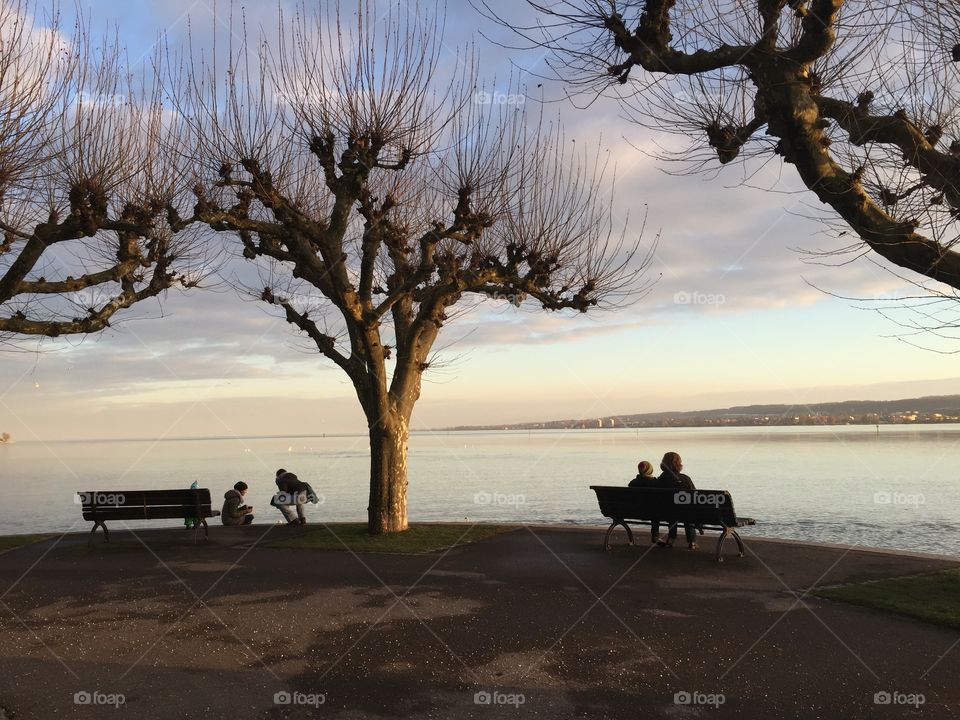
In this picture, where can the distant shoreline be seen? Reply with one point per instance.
(483, 429)
(679, 426)
(929, 410)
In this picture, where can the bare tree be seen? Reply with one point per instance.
(86, 191)
(860, 96)
(376, 196)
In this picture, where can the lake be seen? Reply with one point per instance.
(896, 488)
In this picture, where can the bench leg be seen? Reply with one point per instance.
(720, 542)
(106, 533)
(736, 536)
(606, 540)
(196, 530)
(723, 538)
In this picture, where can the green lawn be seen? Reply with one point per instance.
(418, 539)
(934, 598)
(9, 542)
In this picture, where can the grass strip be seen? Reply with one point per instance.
(9, 542)
(419, 538)
(933, 597)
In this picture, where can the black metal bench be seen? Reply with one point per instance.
(707, 509)
(101, 506)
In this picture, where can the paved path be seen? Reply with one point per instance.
(540, 622)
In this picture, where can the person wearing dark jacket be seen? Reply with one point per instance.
(646, 479)
(235, 511)
(644, 476)
(672, 478)
(291, 491)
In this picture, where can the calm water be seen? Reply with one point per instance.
(898, 489)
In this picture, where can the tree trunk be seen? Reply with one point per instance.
(387, 511)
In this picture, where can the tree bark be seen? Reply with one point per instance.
(387, 510)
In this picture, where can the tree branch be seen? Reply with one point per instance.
(818, 34)
(940, 170)
(325, 343)
(649, 46)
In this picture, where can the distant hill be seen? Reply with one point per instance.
(932, 409)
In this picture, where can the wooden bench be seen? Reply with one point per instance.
(100, 506)
(707, 509)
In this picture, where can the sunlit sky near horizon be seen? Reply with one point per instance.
(217, 365)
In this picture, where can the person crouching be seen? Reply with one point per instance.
(235, 511)
(291, 492)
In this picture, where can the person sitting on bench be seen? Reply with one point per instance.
(646, 478)
(235, 511)
(672, 478)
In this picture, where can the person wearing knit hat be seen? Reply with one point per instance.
(646, 479)
(644, 475)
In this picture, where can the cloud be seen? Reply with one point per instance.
(506, 325)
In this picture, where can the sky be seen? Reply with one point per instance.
(738, 315)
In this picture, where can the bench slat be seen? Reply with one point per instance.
(149, 513)
(141, 498)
